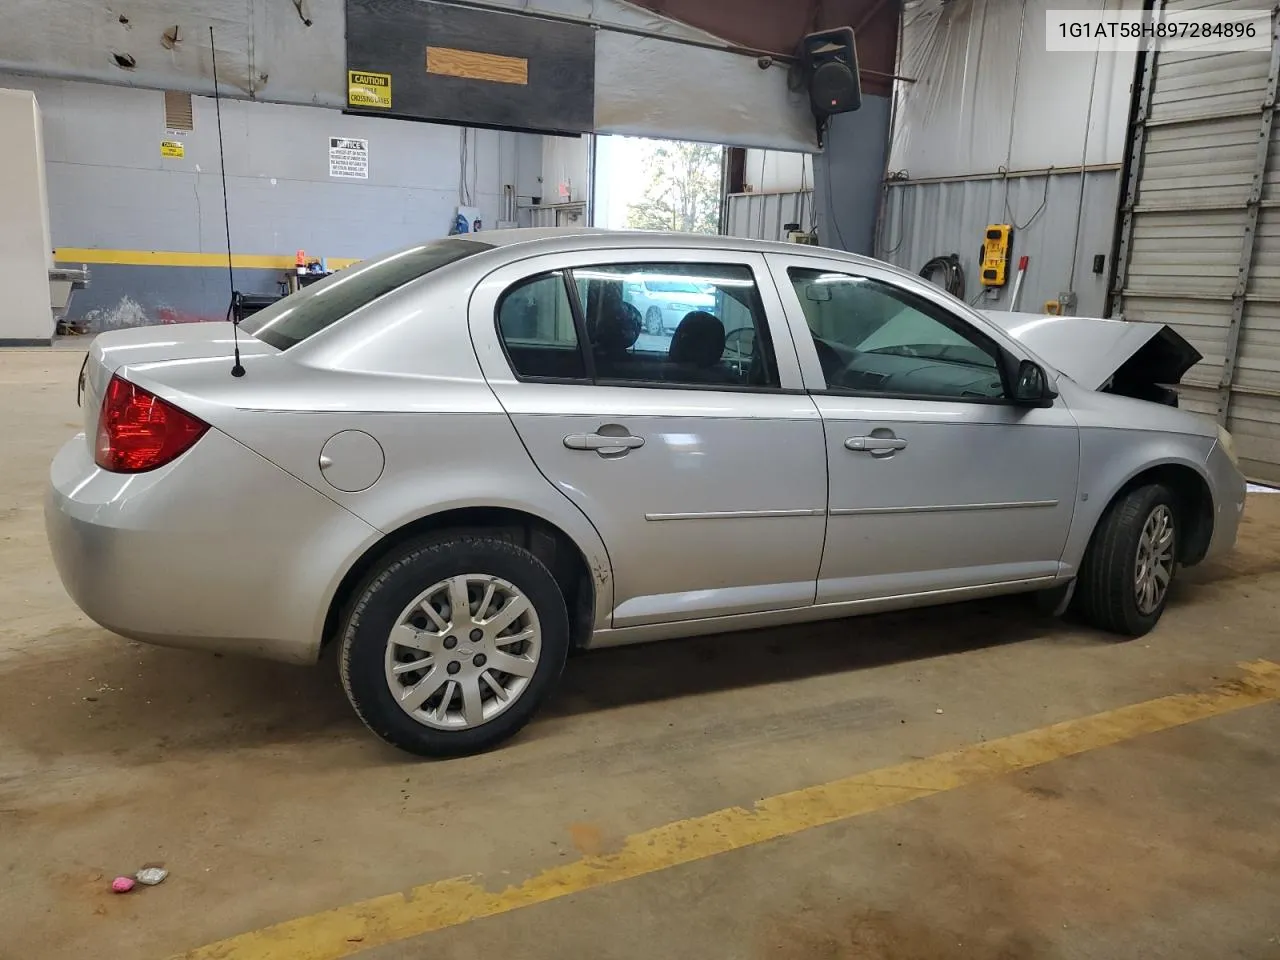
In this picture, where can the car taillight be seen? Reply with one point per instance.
(138, 431)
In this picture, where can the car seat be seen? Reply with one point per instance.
(697, 348)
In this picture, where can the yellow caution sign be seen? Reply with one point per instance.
(173, 149)
(368, 89)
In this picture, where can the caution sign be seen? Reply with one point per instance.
(349, 158)
(369, 89)
(172, 149)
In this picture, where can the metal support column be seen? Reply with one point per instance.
(1249, 243)
(1137, 150)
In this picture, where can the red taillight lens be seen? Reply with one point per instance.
(138, 431)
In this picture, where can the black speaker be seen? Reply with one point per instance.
(831, 69)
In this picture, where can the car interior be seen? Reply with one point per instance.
(870, 341)
(700, 352)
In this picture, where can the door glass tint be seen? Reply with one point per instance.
(535, 322)
(676, 323)
(874, 338)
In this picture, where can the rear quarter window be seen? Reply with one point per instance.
(288, 322)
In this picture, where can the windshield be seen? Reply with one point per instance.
(288, 322)
(910, 333)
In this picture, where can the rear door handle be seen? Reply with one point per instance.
(874, 444)
(601, 444)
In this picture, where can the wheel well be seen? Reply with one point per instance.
(1195, 506)
(544, 540)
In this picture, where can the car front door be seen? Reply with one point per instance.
(703, 471)
(938, 482)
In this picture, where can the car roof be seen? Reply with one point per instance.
(560, 239)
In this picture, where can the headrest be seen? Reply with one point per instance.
(698, 341)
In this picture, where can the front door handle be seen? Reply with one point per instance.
(604, 445)
(875, 444)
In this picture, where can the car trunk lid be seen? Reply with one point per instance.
(118, 349)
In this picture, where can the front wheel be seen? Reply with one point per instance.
(653, 322)
(453, 644)
(1124, 581)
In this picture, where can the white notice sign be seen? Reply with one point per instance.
(349, 158)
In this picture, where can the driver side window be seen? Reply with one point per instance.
(873, 338)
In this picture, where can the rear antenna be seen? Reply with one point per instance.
(237, 369)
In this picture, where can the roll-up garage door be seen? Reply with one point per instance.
(1200, 236)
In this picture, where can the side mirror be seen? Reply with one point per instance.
(1031, 385)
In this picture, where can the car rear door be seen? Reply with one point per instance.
(937, 481)
(704, 474)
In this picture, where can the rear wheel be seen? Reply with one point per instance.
(453, 644)
(1124, 581)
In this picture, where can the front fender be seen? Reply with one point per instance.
(1109, 460)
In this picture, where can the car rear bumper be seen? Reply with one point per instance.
(219, 550)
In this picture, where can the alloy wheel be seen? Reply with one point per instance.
(463, 651)
(1153, 565)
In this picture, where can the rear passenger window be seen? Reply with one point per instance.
(676, 324)
(535, 321)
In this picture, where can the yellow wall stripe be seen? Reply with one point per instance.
(175, 258)
(360, 926)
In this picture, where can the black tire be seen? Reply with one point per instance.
(1105, 595)
(653, 322)
(393, 585)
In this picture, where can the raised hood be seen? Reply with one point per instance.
(1118, 356)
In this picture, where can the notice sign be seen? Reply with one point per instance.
(173, 149)
(368, 89)
(349, 158)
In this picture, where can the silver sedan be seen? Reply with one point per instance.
(459, 461)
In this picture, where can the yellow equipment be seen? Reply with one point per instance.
(994, 261)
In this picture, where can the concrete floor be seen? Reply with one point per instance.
(266, 799)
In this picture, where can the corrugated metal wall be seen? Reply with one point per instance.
(1200, 241)
(933, 218)
(987, 101)
(764, 216)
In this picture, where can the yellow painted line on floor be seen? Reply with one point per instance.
(348, 930)
(179, 258)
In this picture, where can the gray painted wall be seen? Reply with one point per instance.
(110, 189)
(848, 174)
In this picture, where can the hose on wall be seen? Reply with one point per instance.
(952, 273)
